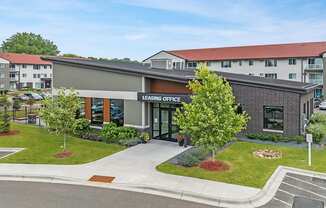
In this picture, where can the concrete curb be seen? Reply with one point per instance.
(263, 197)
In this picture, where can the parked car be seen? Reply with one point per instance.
(322, 105)
(23, 97)
(44, 95)
(317, 102)
(33, 96)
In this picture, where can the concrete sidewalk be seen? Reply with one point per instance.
(135, 167)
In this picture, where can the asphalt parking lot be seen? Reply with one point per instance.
(312, 189)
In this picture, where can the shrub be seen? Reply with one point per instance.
(130, 142)
(212, 165)
(145, 136)
(4, 123)
(81, 127)
(188, 160)
(113, 134)
(318, 118)
(317, 132)
(192, 157)
(275, 137)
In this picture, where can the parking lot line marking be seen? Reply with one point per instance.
(301, 189)
(281, 190)
(287, 204)
(306, 182)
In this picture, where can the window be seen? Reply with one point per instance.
(226, 64)
(36, 67)
(81, 111)
(38, 85)
(45, 75)
(24, 66)
(270, 63)
(240, 63)
(50, 66)
(12, 75)
(316, 78)
(2, 66)
(273, 118)
(38, 75)
(271, 76)
(2, 75)
(45, 66)
(34, 75)
(311, 61)
(24, 75)
(261, 74)
(12, 66)
(192, 65)
(251, 74)
(116, 111)
(97, 111)
(292, 61)
(251, 62)
(292, 76)
(176, 65)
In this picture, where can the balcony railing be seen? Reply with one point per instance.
(13, 79)
(314, 67)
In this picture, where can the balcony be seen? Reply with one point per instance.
(13, 79)
(314, 67)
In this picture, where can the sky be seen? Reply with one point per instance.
(139, 28)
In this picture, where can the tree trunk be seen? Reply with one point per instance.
(213, 155)
(64, 141)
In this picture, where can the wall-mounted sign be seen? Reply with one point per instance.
(163, 98)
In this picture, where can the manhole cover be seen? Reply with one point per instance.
(301, 202)
(102, 179)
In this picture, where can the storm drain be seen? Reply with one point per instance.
(102, 179)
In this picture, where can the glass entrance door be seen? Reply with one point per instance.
(163, 124)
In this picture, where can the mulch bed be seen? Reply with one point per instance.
(63, 154)
(102, 179)
(9, 133)
(212, 165)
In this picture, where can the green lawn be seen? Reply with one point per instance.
(41, 147)
(248, 170)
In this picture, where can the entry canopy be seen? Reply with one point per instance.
(164, 98)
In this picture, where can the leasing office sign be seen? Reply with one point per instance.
(163, 98)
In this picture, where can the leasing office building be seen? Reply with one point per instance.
(145, 98)
(302, 62)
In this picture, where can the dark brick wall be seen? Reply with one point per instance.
(253, 100)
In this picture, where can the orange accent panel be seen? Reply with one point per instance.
(106, 110)
(88, 108)
(163, 86)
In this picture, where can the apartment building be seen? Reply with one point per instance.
(23, 70)
(303, 62)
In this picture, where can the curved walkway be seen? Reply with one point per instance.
(134, 170)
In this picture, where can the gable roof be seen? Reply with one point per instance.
(16, 58)
(183, 76)
(295, 50)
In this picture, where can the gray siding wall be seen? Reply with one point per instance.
(253, 100)
(132, 112)
(87, 79)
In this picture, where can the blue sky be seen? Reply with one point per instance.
(139, 28)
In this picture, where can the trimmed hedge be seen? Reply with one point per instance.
(275, 137)
(318, 118)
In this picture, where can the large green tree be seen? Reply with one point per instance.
(211, 118)
(29, 43)
(59, 112)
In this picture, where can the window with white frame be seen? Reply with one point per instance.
(271, 75)
(292, 61)
(192, 64)
(36, 66)
(24, 66)
(251, 62)
(270, 63)
(34, 75)
(24, 75)
(292, 76)
(2, 85)
(226, 64)
(2, 75)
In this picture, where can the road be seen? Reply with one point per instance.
(44, 195)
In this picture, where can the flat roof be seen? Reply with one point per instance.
(183, 75)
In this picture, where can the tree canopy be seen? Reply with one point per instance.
(211, 119)
(59, 113)
(29, 43)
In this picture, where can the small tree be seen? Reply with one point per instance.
(59, 113)
(211, 118)
(4, 118)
